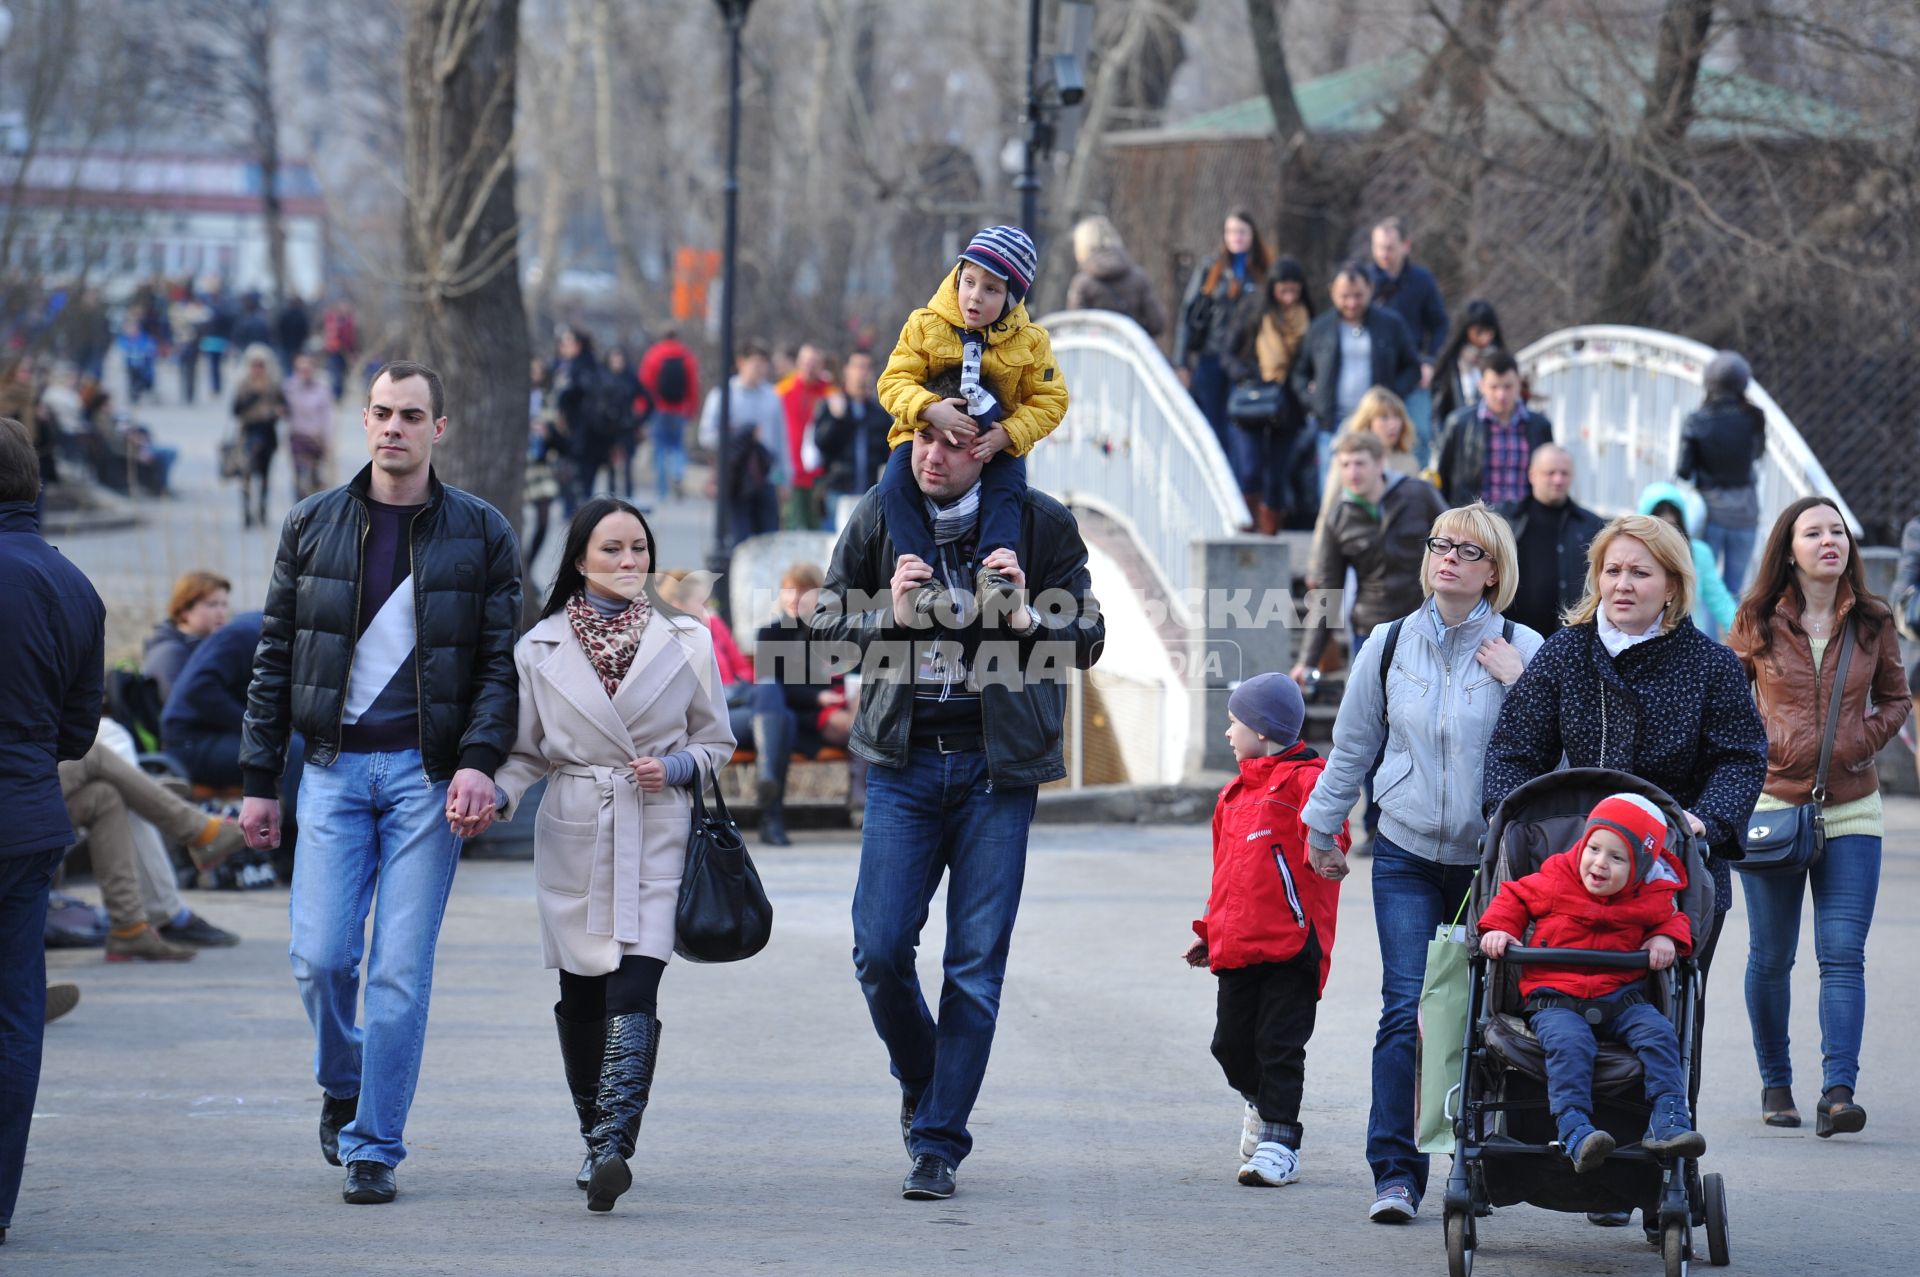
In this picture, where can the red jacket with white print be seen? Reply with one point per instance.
(1266, 899)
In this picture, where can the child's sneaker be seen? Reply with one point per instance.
(1585, 1146)
(1271, 1166)
(1670, 1131)
(926, 598)
(996, 591)
(1250, 1131)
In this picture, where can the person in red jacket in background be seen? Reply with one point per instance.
(1268, 932)
(670, 373)
(1615, 889)
(800, 393)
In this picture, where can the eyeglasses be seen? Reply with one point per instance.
(1467, 550)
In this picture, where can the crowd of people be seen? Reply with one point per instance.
(385, 685)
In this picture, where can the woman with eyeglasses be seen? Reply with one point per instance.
(1422, 697)
(1632, 684)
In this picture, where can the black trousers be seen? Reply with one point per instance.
(1262, 1022)
(633, 986)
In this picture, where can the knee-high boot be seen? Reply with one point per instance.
(626, 1079)
(773, 741)
(582, 1046)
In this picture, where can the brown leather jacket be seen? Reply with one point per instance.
(1795, 709)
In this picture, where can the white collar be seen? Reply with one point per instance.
(1617, 640)
(1440, 626)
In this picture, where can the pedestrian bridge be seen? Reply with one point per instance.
(1188, 598)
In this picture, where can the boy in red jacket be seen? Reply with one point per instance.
(1268, 933)
(1614, 890)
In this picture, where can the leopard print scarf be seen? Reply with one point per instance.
(609, 641)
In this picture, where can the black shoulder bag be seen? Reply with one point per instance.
(1793, 839)
(723, 914)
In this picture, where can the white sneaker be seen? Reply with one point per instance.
(1250, 1131)
(1271, 1166)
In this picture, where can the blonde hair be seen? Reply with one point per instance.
(1091, 234)
(1479, 524)
(260, 353)
(1376, 403)
(803, 575)
(1669, 549)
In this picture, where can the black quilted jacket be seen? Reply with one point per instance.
(466, 570)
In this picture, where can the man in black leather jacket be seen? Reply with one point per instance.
(387, 643)
(960, 716)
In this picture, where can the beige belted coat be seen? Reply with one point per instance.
(607, 856)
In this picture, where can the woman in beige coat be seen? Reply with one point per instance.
(621, 708)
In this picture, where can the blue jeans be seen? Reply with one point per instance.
(367, 819)
(1571, 1043)
(1420, 410)
(1210, 388)
(24, 881)
(1845, 883)
(939, 813)
(1733, 550)
(1411, 897)
(669, 430)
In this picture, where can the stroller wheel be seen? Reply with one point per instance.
(1460, 1243)
(1715, 1190)
(1676, 1248)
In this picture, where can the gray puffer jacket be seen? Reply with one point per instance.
(1440, 708)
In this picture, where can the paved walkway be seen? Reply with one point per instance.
(175, 1131)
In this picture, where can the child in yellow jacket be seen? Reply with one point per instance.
(1012, 395)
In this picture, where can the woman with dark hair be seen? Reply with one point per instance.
(576, 403)
(620, 710)
(1810, 592)
(1268, 328)
(1456, 377)
(1205, 330)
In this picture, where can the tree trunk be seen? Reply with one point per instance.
(464, 306)
(1312, 216)
(1452, 143)
(1641, 194)
(633, 283)
(256, 72)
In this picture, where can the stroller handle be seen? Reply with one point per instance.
(1614, 959)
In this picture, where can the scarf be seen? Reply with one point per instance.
(981, 405)
(608, 641)
(1617, 640)
(951, 522)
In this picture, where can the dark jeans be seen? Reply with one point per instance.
(1209, 388)
(1571, 1043)
(778, 732)
(1003, 497)
(1260, 457)
(24, 881)
(756, 513)
(1262, 1020)
(940, 813)
(1412, 896)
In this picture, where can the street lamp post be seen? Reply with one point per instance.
(1028, 183)
(720, 556)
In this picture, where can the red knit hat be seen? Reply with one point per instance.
(1634, 819)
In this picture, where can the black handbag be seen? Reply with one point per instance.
(1261, 405)
(723, 914)
(1794, 839)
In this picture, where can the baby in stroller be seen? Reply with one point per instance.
(1615, 889)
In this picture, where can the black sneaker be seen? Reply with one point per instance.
(334, 1114)
(199, 933)
(369, 1184)
(930, 1180)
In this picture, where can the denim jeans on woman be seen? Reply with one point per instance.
(939, 814)
(1733, 550)
(1411, 897)
(370, 820)
(1845, 883)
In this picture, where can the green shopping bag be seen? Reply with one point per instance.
(1443, 1030)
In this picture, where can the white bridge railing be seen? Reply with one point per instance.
(1618, 396)
(1134, 446)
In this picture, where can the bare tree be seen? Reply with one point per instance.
(608, 160)
(462, 235)
(1315, 202)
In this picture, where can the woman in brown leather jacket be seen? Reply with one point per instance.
(1809, 587)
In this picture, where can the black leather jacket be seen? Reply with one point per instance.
(1021, 723)
(1719, 442)
(1316, 370)
(466, 602)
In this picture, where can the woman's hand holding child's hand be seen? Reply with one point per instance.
(1196, 954)
(1328, 864)
(650, 774)
(993, 439)
(1494, 943)
(1660, 953)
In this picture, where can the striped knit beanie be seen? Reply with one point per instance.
(1636, 820)
(1008, 252)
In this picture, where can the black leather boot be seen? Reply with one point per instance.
(626, 1079)
(773, 813)
(581, 1047)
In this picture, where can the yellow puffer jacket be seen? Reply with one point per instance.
(1017, 368)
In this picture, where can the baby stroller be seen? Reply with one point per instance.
(1506, 1150)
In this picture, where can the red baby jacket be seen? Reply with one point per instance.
(1565, 915)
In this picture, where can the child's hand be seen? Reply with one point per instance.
(1660, 953)
(1196, 954)
(1494, 943)
(992, 440)
(950, 417)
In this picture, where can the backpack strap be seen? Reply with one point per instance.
(1506, 631)
(1386, 661)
